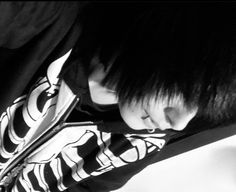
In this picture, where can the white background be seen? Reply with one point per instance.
(211, 168)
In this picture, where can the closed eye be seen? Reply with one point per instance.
(145, 116)
(149, 118)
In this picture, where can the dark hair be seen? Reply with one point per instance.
(164, 50)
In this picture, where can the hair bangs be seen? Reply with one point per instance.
(165, 51)
(179, 52)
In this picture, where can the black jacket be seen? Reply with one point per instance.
(35, 34)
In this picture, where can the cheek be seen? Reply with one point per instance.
(132, 116)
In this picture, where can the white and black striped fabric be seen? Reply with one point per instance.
(76, 153)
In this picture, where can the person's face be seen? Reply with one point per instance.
(157, 114)
(152, 114)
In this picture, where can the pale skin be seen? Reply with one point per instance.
(156, 113)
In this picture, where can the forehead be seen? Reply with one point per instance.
(163, 100)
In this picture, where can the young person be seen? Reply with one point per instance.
(97, 89)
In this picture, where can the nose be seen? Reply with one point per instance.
(179, 118)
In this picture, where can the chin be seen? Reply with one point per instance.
(132, 116)
(131, 119)
(134, 126)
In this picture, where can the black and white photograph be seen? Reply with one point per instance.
(117, 96)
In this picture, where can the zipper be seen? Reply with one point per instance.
(84, 123)
(17, 163)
